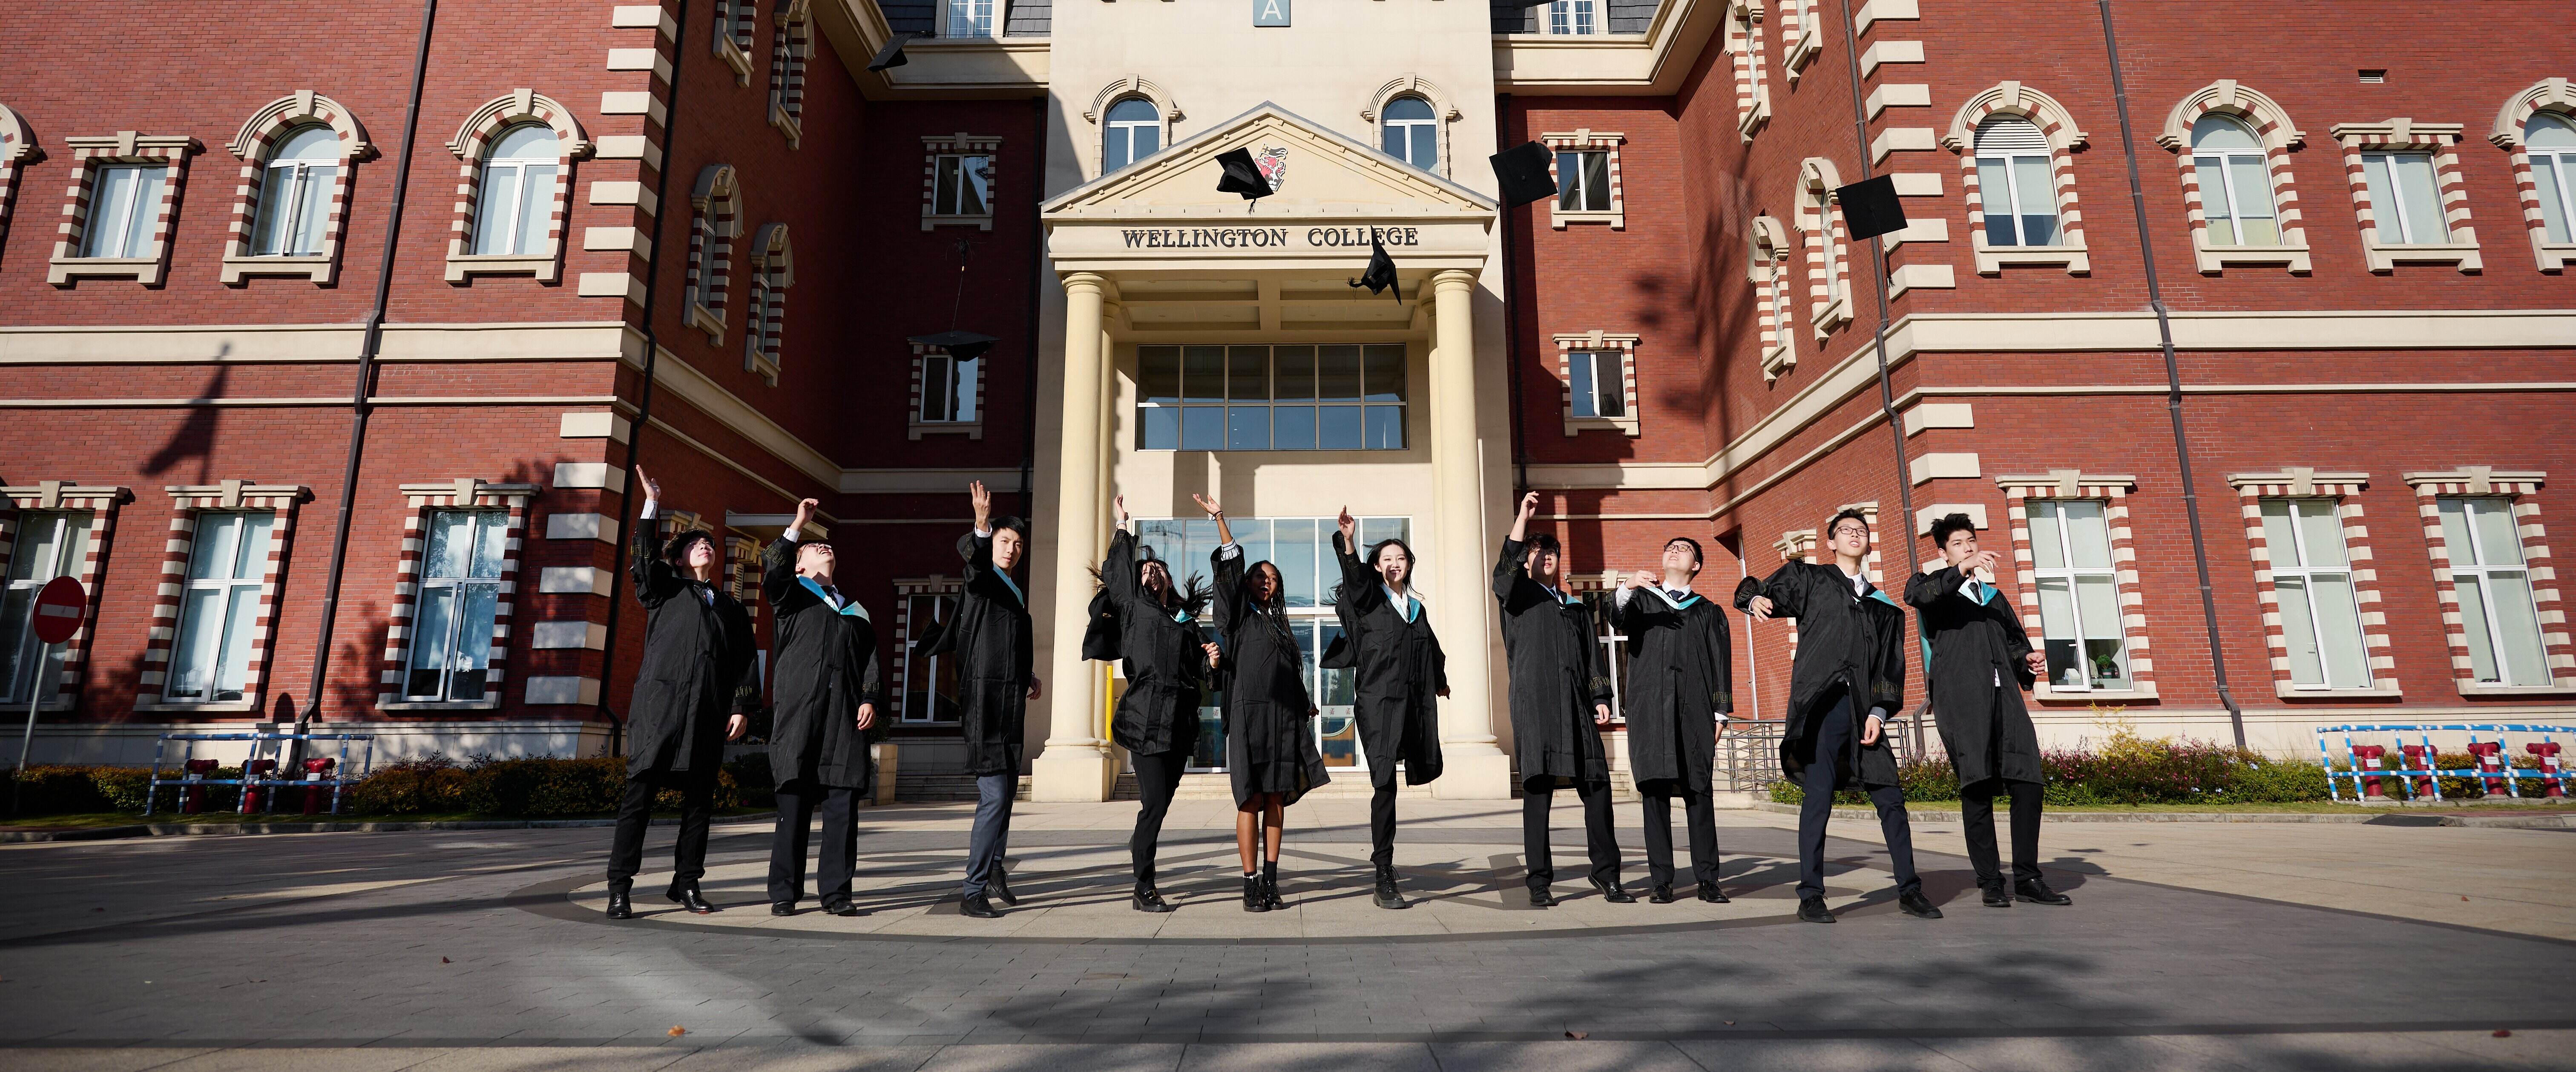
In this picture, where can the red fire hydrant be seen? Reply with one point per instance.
(315, 771)
(2368, 755)
(192, 797)
(2553, 780)
(2422, 757)
(253, 797)
(2490, 764)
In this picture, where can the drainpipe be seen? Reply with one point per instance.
(359, 408)
(1037, 269)
(652, 354)
(1886, 387)
(2173, 381)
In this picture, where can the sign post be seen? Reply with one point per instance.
(57, 615)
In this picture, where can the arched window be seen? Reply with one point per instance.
(295, 194)
(1135, 131)
(515, 203)
(2235, 182)
(2013, 181)
(2552, 143)
(1412, 132)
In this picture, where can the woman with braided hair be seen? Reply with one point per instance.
(1270, 748)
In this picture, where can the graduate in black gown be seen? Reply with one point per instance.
(1166, 661)
(1388, 643)
(989, 635)
(1850, 666)
(698, 665)
(1270, 751)
(1680, 687)
(1560, 697)
(1972, 641)
(823, 653)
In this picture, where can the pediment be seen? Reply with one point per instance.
(1328, 176)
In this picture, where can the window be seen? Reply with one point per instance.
(791, 43)
(1574, 17)
(963, 186)
(1412, 132)
(773, 271)
(732, 39)
(2405, 197)
(2015, 183)
(124, 206)
(2551, 140)
(929, 681)
(2494, 588)
(514, 208)
(1135, 132)
(2079, 595)
(948, 388)
(1582, 181)
(971, 18)
(460, 593)
(714, 221)
(1599, 382)
(295, 194)
(2312, 576)
(1769, 271)
(220, 607)
(2235, 183)
(1333, 397)
(49, 545)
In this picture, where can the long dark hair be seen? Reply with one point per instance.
(1192, 595)
(1275, 607)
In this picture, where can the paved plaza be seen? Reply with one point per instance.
(2189, 946)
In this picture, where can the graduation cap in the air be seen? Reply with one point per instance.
(1522, 172)
(1381, 271)
(962, 345)
(1242, 176)
(892, 54)
(1870, 208)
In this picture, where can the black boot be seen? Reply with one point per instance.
(2036, 891)
(1000, 886)
(1270, 886)
(977, 907)
(1812, 910)
(1387, 895)
(1148, 899)
(1253, 899)
(621, 900)
(686, 896)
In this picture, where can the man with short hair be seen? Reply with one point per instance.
(1971, 639)
(1851, 659)
(1560, 697)
(1680, 674)
(823, 655)
(990, 637)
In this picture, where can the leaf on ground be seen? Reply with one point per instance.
(677, 1031)
(1578, 1034)
(444, 960)
(2503, 1033)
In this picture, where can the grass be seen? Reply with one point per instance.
(93, 820)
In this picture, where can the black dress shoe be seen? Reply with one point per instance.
(621, 905)
(2036, 891)
(1386, 895)
(1812, 910)
(1917, 906)
(1709, 892)
(1613, 892)
(782, 908)
(1994, 895)
(999, 886)
(844, 909)
(977, 906)
(1540, 897)
(687, 897)
(1253, 899)
(1148, 899)
(1663, 893)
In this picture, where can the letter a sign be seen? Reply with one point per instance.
(1270, 12)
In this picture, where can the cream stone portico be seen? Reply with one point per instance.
(1155, 262)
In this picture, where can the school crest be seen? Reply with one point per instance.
(1273, 162)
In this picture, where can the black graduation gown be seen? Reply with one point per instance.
(1857, 641)
(825, 661)
(1269, 728)
(1165, 666)
(1681, 672)
(698, 666)
(989, 634)
(1400, 669)
(1966, 645)
(1557, 674)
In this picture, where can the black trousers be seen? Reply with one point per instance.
(1600, 835)
(1382, 826)
(1977, 815)
(1833, 737)
(797, 801)
(635, 815)
(1700, 811)
(1157, 776)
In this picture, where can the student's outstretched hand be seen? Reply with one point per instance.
(1206, 504)
(1759, 607)
(983, 504)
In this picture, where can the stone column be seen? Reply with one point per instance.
(1460, 573)
(1075, 763)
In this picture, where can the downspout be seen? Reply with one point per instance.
(1037, 268)
(1886, 386)
(652, 354)
(1511, 323)
(2173, 381)
(370, 344)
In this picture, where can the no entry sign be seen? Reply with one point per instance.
(59, 609)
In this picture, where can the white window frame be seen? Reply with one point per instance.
(2390, 204)
(961, 19)
(2229, 160)
(2074, 577)
(1588, 392)
(137, 211)
(457, 638)
(1591, 352)
(1124, 131)
(2449, 237)
(519, 166)
(299, 179)
(2011, 199)
(1427, 127)
(44, 662)
(228, 645)
(2305, 575)
(2560, 184)
(2467, 567)
(941, 168)
(1581, 189)
(965, 379)
(919, 606)
(1577, 18)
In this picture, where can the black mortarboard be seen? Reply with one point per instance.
(1381, 271)
(892, 54)
(1242, 176)
(1522, 172)
(1870, 208)
(962, 345)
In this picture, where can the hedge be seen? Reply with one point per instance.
(2132, 770)
(519, 788)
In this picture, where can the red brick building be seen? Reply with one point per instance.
(695, 237)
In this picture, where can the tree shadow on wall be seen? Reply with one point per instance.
(195, 436)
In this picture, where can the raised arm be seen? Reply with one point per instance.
(778, 561)
(1226, 565)
(655, 579)
(1118, 569)
(1357, 578)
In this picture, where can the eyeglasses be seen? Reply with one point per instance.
(1850, 530)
